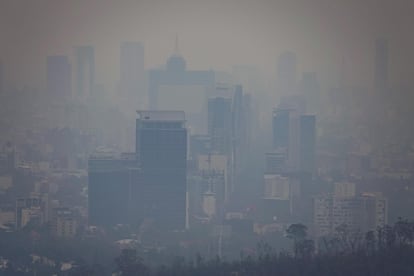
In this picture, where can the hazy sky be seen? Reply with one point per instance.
(212, 34)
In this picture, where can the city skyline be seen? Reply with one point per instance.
(254, 33)
(206, 137)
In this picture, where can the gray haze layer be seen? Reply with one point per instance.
(212, 34)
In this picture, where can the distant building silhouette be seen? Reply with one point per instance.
(7, 158)
(161, 148)
(199, 145)
(281, 126)
(132, 72)
(85, 71)
(193, 103)
(248, 76)
(286, 73)
(381, 65)
(307, 143)
(294, 136)
(59, 77)
(310, 91)
(220, 124)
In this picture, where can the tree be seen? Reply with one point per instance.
(370, 242)
(130, 264)
(404, 231)
(297, 232)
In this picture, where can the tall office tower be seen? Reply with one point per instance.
(7, 158)
(220, 124)
(178, 88)
(286, 135)
(238, 138)
(281, 128)
(132, 72)
(85, 71)
(113, 188)
(275, 162)
(307, 143)
(213, 169)
(310, 90)
(249, 77)
(381, 65)
(59, 77)
(161, 148)
(276, 198)
(286, 73)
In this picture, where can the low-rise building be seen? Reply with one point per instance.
(359, 213)
(64, 223)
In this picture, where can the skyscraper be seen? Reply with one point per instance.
(132, 71)
(294, 136)
(220, 124)
(59, 77)
(286, 73)
(281, 128)
(161, 148)
(286, 135)
(307, 143)
(381, 65)
(113, 189)
(177, 88)
(85, 71)
(310, 89)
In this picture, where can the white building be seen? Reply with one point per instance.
(276, 187)
(359, 213)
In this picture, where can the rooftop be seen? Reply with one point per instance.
(163, 115)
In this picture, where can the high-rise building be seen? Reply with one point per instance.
(276, 187)
(33, 210)
(249, 78)
(59, 77)
(199, 145)
(220, 124)
(7, 158)
(239, 128)
(281, 128)
(64, 223)
(132, 71)
(381, 65)
(214, 171)
(161, 148)
(344, 189)
(275, 162)
(310, 90)
(177, 88)
(114, 183)
(294, 135)
(286, 73)
(307, 143)
(85, 71)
